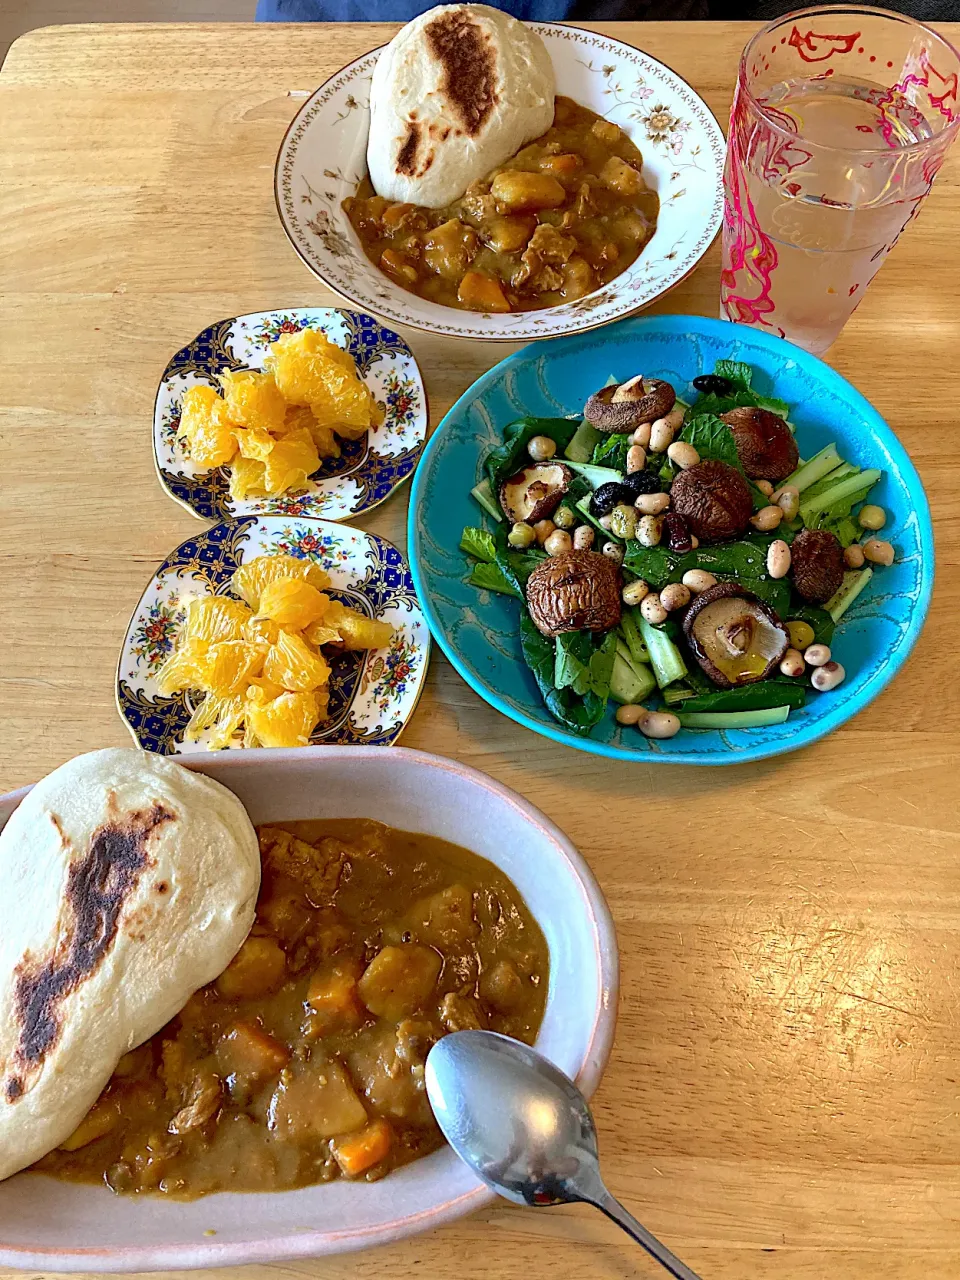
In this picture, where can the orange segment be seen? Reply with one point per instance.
(250, 579)
(228, 666)
(293, 664)
(254, 442)
(292, 602)
(215, 618)
(253, 399)
(205, 425)
(290, 461)
(184, 667)
(246, 479)
(287, 721)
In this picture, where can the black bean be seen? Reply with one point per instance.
(713, 384)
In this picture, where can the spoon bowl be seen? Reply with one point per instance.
(525, 1129)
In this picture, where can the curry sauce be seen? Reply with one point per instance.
(565, 215)
(304, 1061)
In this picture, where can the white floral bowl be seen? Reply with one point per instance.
(47, 1225)
(322, 158)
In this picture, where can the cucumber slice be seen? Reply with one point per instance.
(483, 493)
(581, 447)
(630, 683)
(733, 719)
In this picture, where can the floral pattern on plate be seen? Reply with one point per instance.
(367, 471)
(372, 693)
(321, 161)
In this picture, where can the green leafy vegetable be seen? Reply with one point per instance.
(751, 697)
(735, 371)
(836, 501)
(512, 456)
(819, 619)
(712, 439)
(732, 719)
(516, 566)
(577, 714)
(743, 393)
(612, 452)
(746, 558)
(584, 662)
(479, 544)
(596, 476)
(489, 577)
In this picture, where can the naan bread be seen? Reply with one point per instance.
(128, 883)
(455, 93)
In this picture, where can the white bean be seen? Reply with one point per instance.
(543, 530)
(661, 435)
(878, 552)
(558, 542)
(767, 519)
(583, 538)
(675, 596)
(792, 663)
(613, 551)
(649, 531)
(652, 610)
(630, 713)
(778, 558)
(659, 724)
(634, 592)
(652, 504)
(817, 655)
(674, 419)
(636, 458)
(765, 487)
(853, 556)
(698, 580)
(828, 676)
(683, 455)
(642, 435)
(788, 500)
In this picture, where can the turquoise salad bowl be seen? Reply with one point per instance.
(479, 630)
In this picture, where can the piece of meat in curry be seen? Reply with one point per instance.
(565, 215)
(304, 1061)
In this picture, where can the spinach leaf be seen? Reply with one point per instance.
(512, 455)
(772, 591)
(479, 544)
(751, 697)
(612, 452)
(658, 565)
(577, 714)
(735, 371)
(584, 662)
(712, 439)
(823, 625)
(489, 577)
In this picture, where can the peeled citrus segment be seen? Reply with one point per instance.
(216, 618)
(287, 721)
(261, 690)
(300, 363)
(261, 630)
(228, 666)
(184, 668)
(290, 461)
(205, 425)
(357, 631)
(246, 479)
(324, 440)
(293, 603)
(253, 399)
(223, 715)
(254, 442)
(347, 406)
(322, 632)
(250, 579)
(292, 663)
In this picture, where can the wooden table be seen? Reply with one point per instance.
(782, 1099)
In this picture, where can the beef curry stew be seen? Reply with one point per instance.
(304, 1061)
(565, 215)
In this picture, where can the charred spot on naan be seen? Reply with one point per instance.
(98, 886)
(469, 63)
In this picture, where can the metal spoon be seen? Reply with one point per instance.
(525, 1129)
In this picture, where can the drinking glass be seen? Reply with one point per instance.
(841, 118)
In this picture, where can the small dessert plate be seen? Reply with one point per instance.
(373, 693)
(368, 469)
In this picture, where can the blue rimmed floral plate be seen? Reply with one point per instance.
(478, 631)
(368, 469)
(372, 694)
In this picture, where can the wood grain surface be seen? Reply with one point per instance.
(782, 1101)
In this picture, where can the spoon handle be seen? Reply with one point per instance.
(615, 1210)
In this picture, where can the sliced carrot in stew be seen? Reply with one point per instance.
(361, 1151)
(332, 995)
(481, 293)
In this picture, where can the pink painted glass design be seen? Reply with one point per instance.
(841, 118)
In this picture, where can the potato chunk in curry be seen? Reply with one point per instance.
(304, 1061)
